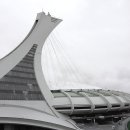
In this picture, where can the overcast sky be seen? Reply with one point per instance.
(95, 34)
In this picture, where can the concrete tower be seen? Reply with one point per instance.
(25, 99)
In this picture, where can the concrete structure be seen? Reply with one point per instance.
(74, 102)
(26, 102)
(25, 98)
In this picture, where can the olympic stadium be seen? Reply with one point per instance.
(27, 103)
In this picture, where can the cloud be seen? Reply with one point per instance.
(96, 35)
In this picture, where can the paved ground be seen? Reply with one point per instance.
(123, 124)
(95, 127)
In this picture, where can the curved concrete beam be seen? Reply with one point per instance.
(70, 99)
(88, 99)
(120, 102)
(104, 99)
(16, 115)
(121, 95)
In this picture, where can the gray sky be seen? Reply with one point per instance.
(95, 34)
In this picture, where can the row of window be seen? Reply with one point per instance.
(25, 64)
(18, 80)
(22, 75)
(19, 92)
(4, 86)
(22, 69)
(5, 96)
